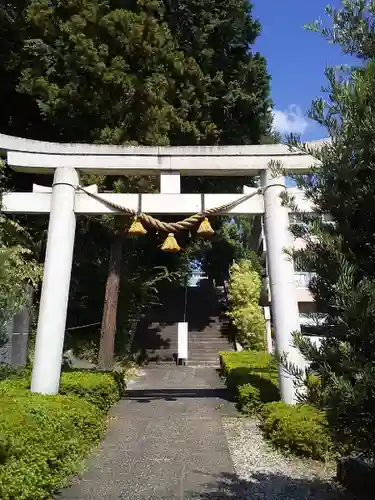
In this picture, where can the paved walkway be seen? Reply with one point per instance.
(169, 441)
(166, 441)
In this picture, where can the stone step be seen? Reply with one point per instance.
(212, 354)
(208, 349)
(221, 341)
(215, 364)
(209, 346)
(203, 355)
(207, 338)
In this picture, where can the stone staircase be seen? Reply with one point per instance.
(156, 337)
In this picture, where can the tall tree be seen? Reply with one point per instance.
(219, 35)
(109, 71)
(342, 252)
(83, 55)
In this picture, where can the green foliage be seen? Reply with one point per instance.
(231, 242)
(181, 73)
(244, 292)
(43, 440)
(249, 399)
(139, 72)
(300, 429)
(123, 55)
(218, 36)
(18, 268)
(342, 254)
(252, 377)
(101, 389)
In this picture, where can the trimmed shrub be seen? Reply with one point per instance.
(301, 429)
(252, 377)
(101, 389)
(246, 359)
(42, 441)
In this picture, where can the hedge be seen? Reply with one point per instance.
(252, 378)
(302, 429)
(43, 439)
(100, 388)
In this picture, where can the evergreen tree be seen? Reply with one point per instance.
(109, 71)
(219, 35)
(342, 252)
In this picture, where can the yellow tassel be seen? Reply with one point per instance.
(205, 228)
(137, 229)
(170, 244)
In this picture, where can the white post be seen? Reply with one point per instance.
(182, 342)
(281, 273)
(267, 318)
(56, 281)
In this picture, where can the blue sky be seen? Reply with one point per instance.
(296, 60)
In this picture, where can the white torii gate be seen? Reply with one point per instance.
(63, 201)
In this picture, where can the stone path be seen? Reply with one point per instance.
(175, 438)
(166, 441)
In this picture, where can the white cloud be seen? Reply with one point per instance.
(290, 121)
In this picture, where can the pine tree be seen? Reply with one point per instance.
(342, 252)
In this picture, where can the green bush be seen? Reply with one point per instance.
(244, 289)
(248, 399)
(301, 429)
(101, 389)
(42, 440)
(247, 359)
(252, 377)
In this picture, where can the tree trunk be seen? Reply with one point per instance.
(109, 320)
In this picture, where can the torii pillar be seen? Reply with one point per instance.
(284, 302)
(56, 282)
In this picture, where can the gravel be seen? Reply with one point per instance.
(265, 473)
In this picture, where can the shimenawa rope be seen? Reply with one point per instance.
(172, 227)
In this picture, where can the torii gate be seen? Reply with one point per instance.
(63, 202)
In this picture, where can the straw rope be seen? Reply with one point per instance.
(172, 227)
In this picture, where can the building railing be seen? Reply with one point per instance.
(302, 280)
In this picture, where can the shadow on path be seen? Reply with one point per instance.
(146, 396)
(275, 486)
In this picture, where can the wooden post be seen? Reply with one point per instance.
(112, 289)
